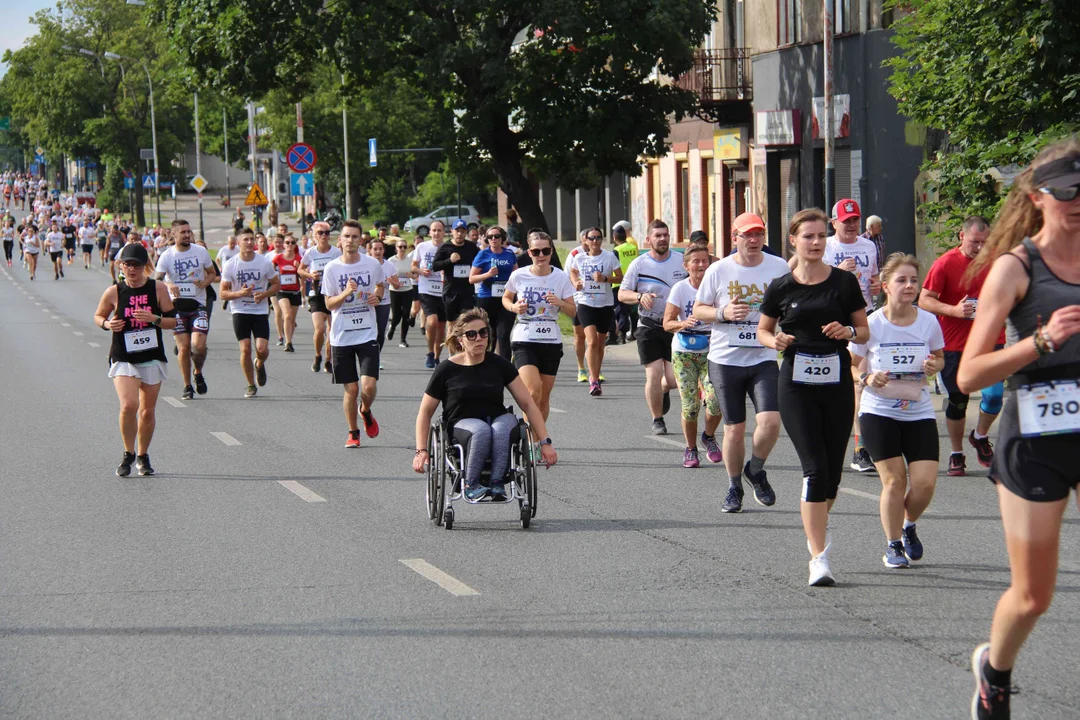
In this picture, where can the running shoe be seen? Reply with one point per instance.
(894, 555)
(984, 450)
(371, 425)
(989, 702)
(317, 364)
(142, 463)
(659, 427)
(124, 469)
(733, 501)
(189, 393)
(251, 391)
(763, 492)
(390, 333)
(260, 373)
(582, 375)
(475, 490)
(353, 440)
(861, 462)
(912, 544)
(690, 458)
(712, 450)
(498, 492)
(601, 378)
(61, 272)
(289, 348)
(820, 572)
(957, 465)
(667, 403)
(280, 341)
(594, 389)
(429, 363)
(403, 344)
(328, 367)
(200, 384)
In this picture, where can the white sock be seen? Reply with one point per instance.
(908, 524)
(978, 436)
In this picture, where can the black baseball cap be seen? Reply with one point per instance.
(135, 253)
(1061, 173)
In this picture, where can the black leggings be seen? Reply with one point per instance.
(382, 316)
(502, 322)
(9, 247)
(818, 418)
(400, 309)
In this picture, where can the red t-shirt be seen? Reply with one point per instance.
(946, 278)
(290, 281)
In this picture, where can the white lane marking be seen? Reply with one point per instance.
(225, 438)
(77, 333)
(556, 410)
(93, 344)
(860, 493)
(666, 441)
(446, 582)
(65, 324)
(55, 317)
(38, 304)
(46, 310)
(173, 401)
(300, 491)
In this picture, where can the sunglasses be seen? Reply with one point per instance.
(482, 333)
(1065, 194)
(594, 237)
(495, 236)
(322, 232)
(289, 242)
(537, 252)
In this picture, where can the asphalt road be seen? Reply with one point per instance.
(213, 590)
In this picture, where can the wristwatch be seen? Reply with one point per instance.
(852, 329)
(546, 441)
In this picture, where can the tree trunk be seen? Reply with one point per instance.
(506, 157)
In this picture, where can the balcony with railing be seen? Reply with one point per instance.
(723, 82)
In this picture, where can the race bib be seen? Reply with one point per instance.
(288, 279)
(139, 340)
(317, 264)
(435, 287)
(404, 282)
(591, 287)
(498, 289)
(902, 358)
(542, 331)
(356, 318)
(186, 290)
(1049, 408)
(743, 335)
(462, 271)
(816, 369)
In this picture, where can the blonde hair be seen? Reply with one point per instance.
(806, 216)
(1019, 218)
(456, 331)
(896, 261)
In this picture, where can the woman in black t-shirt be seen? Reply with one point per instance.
(819, 310)
(470, 385)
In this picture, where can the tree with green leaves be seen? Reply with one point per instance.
(557, 89)
(998, 78)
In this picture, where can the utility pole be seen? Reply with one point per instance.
(303, 200)
(225, 135)
(198, 166)
(345, 137)
(827, 129)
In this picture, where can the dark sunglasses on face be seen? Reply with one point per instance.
(594, 237)
(495, 236)
(537, 252)
(482, 333)
(1065, 194)
(322, 232)
(289, 242)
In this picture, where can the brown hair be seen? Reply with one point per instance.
(657, 225)
(1019, 218)
(806, 216)
(456, 330)
(896, 261)
(694, 248)
(352, 224)
(540, 235)
(244, 231)
(511, 214)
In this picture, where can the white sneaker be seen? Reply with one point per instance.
(820, 572)
(828, 543)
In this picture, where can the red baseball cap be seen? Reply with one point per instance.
(846, 209)
(748, 221)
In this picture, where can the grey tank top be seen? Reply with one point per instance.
(1046, 293)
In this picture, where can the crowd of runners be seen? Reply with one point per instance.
(840, 339)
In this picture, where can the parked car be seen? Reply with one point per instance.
(86, 198)
(447, 213)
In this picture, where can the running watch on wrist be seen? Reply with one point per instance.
(546, 441)
(852, 329)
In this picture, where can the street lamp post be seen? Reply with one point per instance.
(153, 129)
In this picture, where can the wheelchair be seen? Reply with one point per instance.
(446, 474)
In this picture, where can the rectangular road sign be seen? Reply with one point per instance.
(373, 158)
(129, 183)
(148, 181)
(301, 185)
(146, 153)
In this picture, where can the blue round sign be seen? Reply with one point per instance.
(301, 157)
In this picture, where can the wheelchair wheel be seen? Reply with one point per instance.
(531, 460)
(439, 474)
(526, 516)
(448, 518)
(432, 494)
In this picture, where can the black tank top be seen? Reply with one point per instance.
(1046, 293)
(139, 342)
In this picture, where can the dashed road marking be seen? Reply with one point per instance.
(93, 344)
(666, 441)
(300, 491)
(448, 583)
(76, 333)
(860, 493)
(55, 317)
(556, 410)
(173, 401)
(65, 324)
(226, 438)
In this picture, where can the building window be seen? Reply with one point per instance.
(842, 16)
(682, 220)
(790, 24)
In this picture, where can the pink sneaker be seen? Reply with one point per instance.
(712, 450)
(690, 458)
